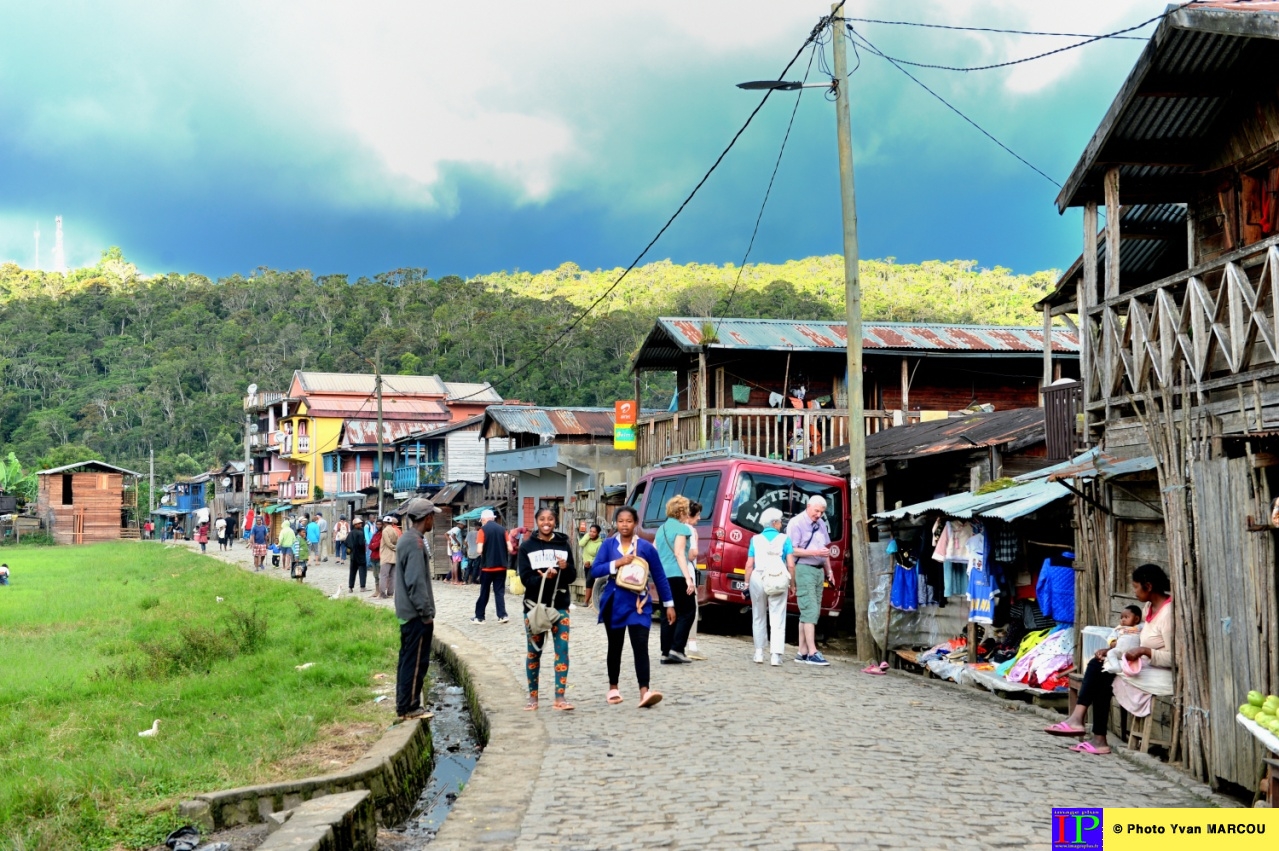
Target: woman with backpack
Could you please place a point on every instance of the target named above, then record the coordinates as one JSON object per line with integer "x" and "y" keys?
{"x": 547, "y": 570}
{"x": 768, "y": 580}
{"x": 632, "y": 567}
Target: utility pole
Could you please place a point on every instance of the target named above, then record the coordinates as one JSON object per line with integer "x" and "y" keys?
{"x": 377, "y": 388}
{"x": 853, "y": 298}
{"x": 248, "y": 472}
{"x": 151, "y": 482}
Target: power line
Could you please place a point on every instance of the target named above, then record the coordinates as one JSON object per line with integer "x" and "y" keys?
{"x": 1087, "y": 41}
{"x": 996, "y": 30}
{"x": 758, "y": 218}
{"x": 812, "y": 37}
{"x": 871, "y": 47}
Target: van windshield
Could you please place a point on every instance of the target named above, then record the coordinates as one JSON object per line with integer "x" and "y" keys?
{"x": 756, "y": 492}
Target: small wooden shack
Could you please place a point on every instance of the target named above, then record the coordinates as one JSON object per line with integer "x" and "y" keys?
{"x": 85, "y": 503}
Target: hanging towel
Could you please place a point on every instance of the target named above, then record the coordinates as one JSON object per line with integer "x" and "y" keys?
{"x": 775, "y": 400}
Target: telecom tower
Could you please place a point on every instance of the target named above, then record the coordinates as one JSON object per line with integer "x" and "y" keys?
{"x": 59, "y": 260}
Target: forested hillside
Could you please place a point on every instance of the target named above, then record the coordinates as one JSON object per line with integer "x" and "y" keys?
{"x": 109, "y": 359}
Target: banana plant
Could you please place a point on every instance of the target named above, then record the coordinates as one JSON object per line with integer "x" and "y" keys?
{"x": 14, "y": 482}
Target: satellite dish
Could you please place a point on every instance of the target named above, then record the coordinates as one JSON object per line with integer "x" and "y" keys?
{"x": 253, "y": 428}
{"x": 226, "y": 481}
{"x": 253, "y": 390}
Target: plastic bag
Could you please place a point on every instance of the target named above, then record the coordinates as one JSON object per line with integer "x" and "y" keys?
{"x": 513, "y": 580}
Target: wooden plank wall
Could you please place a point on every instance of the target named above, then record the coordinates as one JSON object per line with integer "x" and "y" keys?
{"x": 94, "y": 514}
{"x": 1234, "y": 563}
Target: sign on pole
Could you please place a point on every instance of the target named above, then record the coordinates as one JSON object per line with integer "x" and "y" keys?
{"x": 625, "y": 415}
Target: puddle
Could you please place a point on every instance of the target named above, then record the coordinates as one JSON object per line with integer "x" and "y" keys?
{"x": 456, "y": 750}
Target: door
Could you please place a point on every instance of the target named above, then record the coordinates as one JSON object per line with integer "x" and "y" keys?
{"x": 1231, "y": 561}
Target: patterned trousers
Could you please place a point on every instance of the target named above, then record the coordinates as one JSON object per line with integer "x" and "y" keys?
{"x": 559, "y": 635}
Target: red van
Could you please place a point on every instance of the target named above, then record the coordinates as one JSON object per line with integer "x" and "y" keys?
{"x": 734, "y": 490}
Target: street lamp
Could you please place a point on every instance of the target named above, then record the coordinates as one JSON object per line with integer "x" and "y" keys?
{"x": 853, "y": 302}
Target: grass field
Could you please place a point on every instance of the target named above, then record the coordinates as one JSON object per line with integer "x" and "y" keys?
{"x": 97, "y": 641}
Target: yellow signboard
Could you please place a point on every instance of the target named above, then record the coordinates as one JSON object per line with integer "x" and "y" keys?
{"x": 624, "y": 437}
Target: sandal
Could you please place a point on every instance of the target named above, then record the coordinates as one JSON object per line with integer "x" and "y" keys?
{"x": 562, "y": 706}
{"x": 651, "y": 699}
{"x": 614, "y": 696}
{"x": 1063, "y": 728}
{"x": 1089, "y": 747}
{"x": 531, "y": 706}
{"x": 876, "y": 670}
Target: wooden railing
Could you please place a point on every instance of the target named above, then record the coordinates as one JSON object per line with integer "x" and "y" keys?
{"x": 791, "y": 434}
{"x": 347, "y": 482}
{"x": 1216, "y": 323}
{"x": 296, "y": 489}
{"x": 268, "y": 481}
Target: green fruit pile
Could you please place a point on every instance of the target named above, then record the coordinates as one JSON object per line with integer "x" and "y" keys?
{"x": 1263, "y": 709}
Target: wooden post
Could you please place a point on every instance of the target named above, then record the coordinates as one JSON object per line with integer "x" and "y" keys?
{"x": 1190, "y": 238}
{"x": 1112, "y": 232}
{"x": 1048, "y": 352}
{"x": 701, "y": 394}
{"x": 905, "y": 391}
{"x": 1087, "y": 292}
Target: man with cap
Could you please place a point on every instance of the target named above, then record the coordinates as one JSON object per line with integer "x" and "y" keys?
{"x": 414, "y": 605}
{"x": 390, "y": 539}
{"x": 494, "y": 557}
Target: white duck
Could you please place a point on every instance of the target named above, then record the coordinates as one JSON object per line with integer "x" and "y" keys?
{"x": 155, "y": 728}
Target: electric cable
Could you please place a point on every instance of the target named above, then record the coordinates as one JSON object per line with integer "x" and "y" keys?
{"x": 758, "y": 218}
{"x": 812, "y": 37}
{"x": 871, "y": 47}
{"x": 995, "y": 30}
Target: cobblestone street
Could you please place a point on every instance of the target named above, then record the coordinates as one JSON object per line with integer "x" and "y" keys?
{"x": 751, "y": 756}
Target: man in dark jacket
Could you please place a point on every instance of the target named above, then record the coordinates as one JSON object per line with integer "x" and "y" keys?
{"x": 495, "y": 556}
{"x": 358, "y": 554}
{"x": 414, "y": 606}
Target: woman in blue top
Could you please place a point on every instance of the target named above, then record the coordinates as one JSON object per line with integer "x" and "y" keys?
{"x": 672, "y": 541}
{"x": 625, "y": 612}
{"x": 769, "y": 551}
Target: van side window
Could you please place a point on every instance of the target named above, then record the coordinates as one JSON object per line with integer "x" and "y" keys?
{"x": 637, "y": 497}
{"x": 703, "y": 488}
{"x": 757, "y": 491}
{"x": 663, "y": 490}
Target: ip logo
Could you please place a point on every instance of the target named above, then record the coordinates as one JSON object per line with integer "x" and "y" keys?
{"x": 1078, "y": 828}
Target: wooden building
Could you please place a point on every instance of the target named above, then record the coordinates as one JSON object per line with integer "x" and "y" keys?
{"x": 1175, "y": 296}
{"x": 778, "y": 388}
{"x": 88, "y": 502}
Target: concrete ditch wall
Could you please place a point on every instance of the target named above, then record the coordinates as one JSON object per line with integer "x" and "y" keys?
{"x": 393, "y": 771}
{"x": 343, "y": 822}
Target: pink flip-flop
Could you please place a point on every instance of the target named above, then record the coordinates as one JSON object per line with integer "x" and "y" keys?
{"x": 1061, "y": 728}
{"x": 876, "y": 670}
{"x": 1089, "y": 747}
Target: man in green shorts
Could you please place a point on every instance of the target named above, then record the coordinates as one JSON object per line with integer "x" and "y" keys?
{"x": 810, "y": 562}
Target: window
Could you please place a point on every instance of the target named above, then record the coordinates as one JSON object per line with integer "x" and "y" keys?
{"x": 637, "y": 496}
{"x": 703, "y": 488}
{"x": 66, "y": 489}
{"x": 663, "y": 490}
{"x": 756, "y": 492}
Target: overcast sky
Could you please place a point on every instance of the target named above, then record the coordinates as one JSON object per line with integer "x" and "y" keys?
{"x": 471, "y": 137}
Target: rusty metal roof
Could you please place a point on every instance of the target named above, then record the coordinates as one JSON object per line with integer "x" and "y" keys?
{"x": 364, "y": 432}
{"x": 473, "y": 393}
{"x": 439, "y": 430}
{"x": 1198, "y": 63}
{"x": 675, "y": 335}
{"x": 1014, "y": 429}
{"x": 506, "y": 420}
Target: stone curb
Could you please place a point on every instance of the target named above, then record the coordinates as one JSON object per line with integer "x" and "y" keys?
{"x": 1154, "y": 765}
{"x": 342, "y": 822}
{"x": 490, "y": 811}
{"x": 394, "y": 771}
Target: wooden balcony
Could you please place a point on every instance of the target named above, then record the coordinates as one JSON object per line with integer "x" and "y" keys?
{"x": 269, "y": 481}
{"x": 349, "y": 482}
{"x": 784, "y": 434}
{"x": 1213, "y": 327}
{"x": 294, "y": 489}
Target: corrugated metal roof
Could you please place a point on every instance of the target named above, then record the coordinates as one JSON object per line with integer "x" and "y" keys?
{"x": 506, "y": 420}
{"x": 436, "y": 430}
{"x": 100, "y": 466}
{"x": 1093, "y": 463}
{"x": 349, "y": 407}
{"x": 364, "y": 432}
{"x": 672, "y": 335}
{"x": 473, "y": 393}
{"x": 1022, "y": 426}
{"x": 1007, "y": 504}
{"x": 1182, "y": 83}
{"x": 356, "y": 382}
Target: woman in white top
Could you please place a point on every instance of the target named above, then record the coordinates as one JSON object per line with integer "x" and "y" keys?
{"x": 768, "y": 556}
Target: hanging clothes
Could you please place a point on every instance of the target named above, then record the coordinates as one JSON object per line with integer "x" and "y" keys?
{"x": 981, "y": 588}
{"x": 932, "y": 587}
{"x": 1055, "y": 591}
{"x": 1006, "y": 545}
{"x": 955, "y": 578}
{"x": 953, "y": 542}
{"x": 905, "y": 596}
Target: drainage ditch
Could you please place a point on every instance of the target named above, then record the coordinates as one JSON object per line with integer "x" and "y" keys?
{"x": 456, "y": 747}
